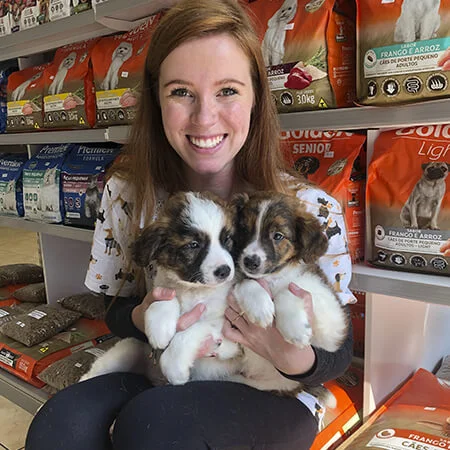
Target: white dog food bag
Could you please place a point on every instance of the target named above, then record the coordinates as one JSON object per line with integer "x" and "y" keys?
{"x": 5, "y": 25}
{"x": 118, "y": 66}
{"x": 41, "y": 184}
{"x": 309, "y": 49}
{"x": 408, "y": 194}
{"x": 83, "y": 181}
{"x": 69, "y": 98}
{"x": 34, "y": 13}
{"x": 11, "y": 194}
{"x": 403, "y": 50}
{"x": 58, "y": 9}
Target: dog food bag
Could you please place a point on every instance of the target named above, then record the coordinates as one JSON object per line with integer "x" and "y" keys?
{"x": 415, "y": 417}
{"x": 90, "y": 304}
{"x": 58, "y": 9}
{"x": 11, "y": 193}
{"x": 5, "y": 23}
{"x": 11, "y": 274}
{"x": 25, "y": 91}
{"x": 328, "y": 158}
{"x": 32, "y": 293}
{"x": 33, "y": 14}
{"x": 69, "y": 99}
{"x": 309, "y": 49}
{"x": 83, "y": 180}
{"x": 118, "y": 65}
{"x": 403, "y": 50}
{"x": 6, "y": 69}
{"x": 41, "y": 184}
{"x": 408, "y": 195}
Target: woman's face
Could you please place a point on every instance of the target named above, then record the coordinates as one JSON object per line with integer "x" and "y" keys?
{"x": 206, "y": 96}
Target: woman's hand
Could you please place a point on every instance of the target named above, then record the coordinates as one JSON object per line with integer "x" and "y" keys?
{"x": 445, "y": 249}
{"x": 269, "y": 343}
{"x": 184, "y": 322}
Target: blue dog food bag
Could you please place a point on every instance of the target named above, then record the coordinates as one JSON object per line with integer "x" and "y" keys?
{"x": 5, "y": 71}
{"x": 11, "y": 194}
{"x": 41, "y": 184}
{"x": 83, "y": 175}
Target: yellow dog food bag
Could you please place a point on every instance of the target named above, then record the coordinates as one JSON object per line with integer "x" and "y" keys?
{"x": 309, "y": 49}
{"x": 408, "y": 196}
{"x": 403, "y": 50}
{"x": 335, "y": 161}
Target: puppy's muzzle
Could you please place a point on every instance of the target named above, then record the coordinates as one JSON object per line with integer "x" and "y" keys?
{"x": 222, "y": 272}
{"x": 252, "y": 263}
{"x": 435, "y": 173}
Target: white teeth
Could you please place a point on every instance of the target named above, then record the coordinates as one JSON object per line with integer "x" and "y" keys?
{"x": 206, "y": 143}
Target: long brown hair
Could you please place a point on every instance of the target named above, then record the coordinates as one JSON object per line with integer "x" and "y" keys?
{"x": 149, "y": 160}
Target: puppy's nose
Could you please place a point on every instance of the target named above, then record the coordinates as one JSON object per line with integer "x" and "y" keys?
{"x": 222, "y": 272}
{"x": 252, "y": 262}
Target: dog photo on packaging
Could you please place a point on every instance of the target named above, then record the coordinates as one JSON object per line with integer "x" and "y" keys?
{"x": 11, "y": 193}
{"x": 191, "y": 245}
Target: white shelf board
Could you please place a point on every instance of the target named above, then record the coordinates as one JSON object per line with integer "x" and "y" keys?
{"x": 48, "y": 36}
{"x": 78, "y": 234}
{"x": 364, "y": 117}
{"x": 413, "y": 286}
{"x": 131, "y": 10}
{"x": 53, "y": 137}
{"x": 21, "y": 393}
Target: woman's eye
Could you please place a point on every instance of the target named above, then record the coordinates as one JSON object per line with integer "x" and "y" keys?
{"x": 227, "y": 92}
{"x": 179, "y": 92}
{"x": 278, "y": 236}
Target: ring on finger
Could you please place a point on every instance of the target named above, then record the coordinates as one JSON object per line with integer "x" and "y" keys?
{"x": 238, "y": 316}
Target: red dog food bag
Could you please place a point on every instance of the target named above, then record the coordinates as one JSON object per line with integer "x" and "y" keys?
{"x": 408, "y": 196}
{"x": 69, "y": 98}
{"x": 416, "y": 417}
{"x": 118, "y": 65}
{"x": 24, "y": 99}
{"x": 403, "y": 50}
{"x": 331, "y": 160}
{"x": 309, "y": 49}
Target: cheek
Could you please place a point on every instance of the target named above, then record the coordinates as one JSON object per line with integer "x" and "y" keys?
{"x": 173, "y": 118}
{"x": 284, "y": 250}
{"x": 238, "y": 115}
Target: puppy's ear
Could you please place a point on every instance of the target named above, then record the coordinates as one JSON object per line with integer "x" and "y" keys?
{"x": 238, "y": 202}
{"x": 310, "y": 237}
{"x": 424, "y": 166}
{"x": 146, "y": 248}
{"x": 448, "y": 166}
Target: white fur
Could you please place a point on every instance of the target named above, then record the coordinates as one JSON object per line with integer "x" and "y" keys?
{"x": 49, "y": 198}
{"x": 19, "y": 92}
{"x": 122, "y": 53}
{"x": 273, "y": 42}
{"x": 9, "y": 198}
{"x": 419, "y": 20}
{"x": 56, "y": 86}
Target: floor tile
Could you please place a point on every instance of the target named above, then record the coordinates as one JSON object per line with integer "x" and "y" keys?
{"x": 14, "y": 425}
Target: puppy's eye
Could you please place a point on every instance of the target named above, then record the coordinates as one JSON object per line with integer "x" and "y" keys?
{"x": 278, "y": 236}
{"x": 192, "y": 245}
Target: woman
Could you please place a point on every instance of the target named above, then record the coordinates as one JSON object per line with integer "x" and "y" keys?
{"x": 205, "y": 123}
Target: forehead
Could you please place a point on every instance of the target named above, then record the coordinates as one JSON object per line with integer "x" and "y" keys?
{"x": 209, "y": 58}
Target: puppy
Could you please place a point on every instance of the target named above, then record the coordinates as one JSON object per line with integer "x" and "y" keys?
{"x": 307, "y": 165}
{"x": 19, "y": 92}
{"x": 273, "y": 42}
{"x": 8, "y": 197}
{"x": 190, "y": 246}
{"x": 49, "y": 198}
{"x": 56, "y": 86}
{"x": 122, "y": 53}
{"x": 422, "y": 208}
{"x": 419, "y": 20}
{"x": 280, "y": 242}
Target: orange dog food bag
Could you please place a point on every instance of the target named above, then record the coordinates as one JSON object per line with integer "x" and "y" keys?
{"x": 69, "y": 98}
{"x": 309, "y": 49}
{"x": 118, "y": 63}
{"x": 408, "y": 196}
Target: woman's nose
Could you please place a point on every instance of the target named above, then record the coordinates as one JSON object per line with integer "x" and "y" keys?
{"x": 205, "y": 112}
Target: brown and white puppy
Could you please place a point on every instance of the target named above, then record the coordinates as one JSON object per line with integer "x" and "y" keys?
{"x": 280, "y": 242}
{"x": 422, "y": 208}
{"x": 190, "y": 245}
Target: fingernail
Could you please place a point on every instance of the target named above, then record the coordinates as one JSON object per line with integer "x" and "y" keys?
{"x": 202, "y": 307}
{"x": 295, "y": 288}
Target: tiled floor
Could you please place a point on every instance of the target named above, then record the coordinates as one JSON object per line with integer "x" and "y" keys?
{"x": 16, "y": 246}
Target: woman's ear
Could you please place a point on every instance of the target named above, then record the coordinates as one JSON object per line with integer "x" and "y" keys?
{"x": 146, "y": 248}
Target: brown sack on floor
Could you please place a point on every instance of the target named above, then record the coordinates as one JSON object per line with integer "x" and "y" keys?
{"x": 20, "y": 274}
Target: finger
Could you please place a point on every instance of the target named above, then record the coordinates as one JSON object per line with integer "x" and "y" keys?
{"x": 160, "y": 293}
{"x": 307, "y": 299}
{"x": 265, "y": 285}
{"x": 189, "y": 318}
{"x": 233, "y": 304}
{"x": 206, "y": 348}
{"x": 233, "y": 334}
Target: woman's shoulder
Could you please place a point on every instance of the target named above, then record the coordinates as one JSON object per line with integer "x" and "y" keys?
{"x": 118, "y": 188}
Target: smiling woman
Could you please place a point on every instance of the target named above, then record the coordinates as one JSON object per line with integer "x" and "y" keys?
{"x": 207, "y": 123}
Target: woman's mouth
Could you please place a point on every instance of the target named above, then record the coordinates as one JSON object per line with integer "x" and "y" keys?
{"x": 206, "y": 144}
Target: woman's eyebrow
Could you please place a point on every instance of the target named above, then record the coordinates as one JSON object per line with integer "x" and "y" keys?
{"x": 230, "y": 80}
{"x": 218, "y": 83}
{"x": 187, "y": 83}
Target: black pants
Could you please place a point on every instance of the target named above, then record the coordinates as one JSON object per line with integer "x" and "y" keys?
{"x": 199, "y": 415}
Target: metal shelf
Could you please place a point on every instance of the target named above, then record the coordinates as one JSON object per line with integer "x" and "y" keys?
{"x": 414, "y": 286}
{"x": 51, "y": 35}
{"x": 53, "y": 137}
{"x": 78, "y": 234}
{"x": 21, "y": 393}
{"x": 430, "y": 112}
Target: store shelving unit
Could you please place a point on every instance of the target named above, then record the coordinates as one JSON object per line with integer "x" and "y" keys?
{"x": 407, "y": 314}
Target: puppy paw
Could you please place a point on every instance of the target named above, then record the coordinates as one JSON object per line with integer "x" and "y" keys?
{"x": 174, "y": 369}
{"x": 295, "y": 329}
{"x": 255, "y": 302}
{"x": 161, "y": 323}
{"x": 160, "y": 335}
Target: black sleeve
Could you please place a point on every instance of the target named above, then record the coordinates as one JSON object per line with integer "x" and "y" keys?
{"x": 328, "y": 366}
{"x": 118, "y": 317}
